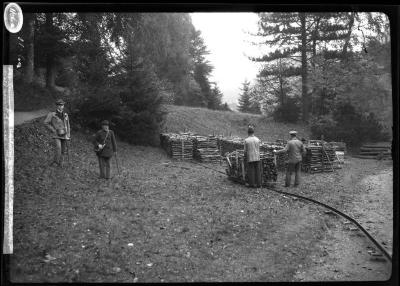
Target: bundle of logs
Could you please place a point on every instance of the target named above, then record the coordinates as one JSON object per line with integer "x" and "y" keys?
{"x": 228, "y": 145}
{"x": 281, "y": 158}
{"x": 236, "y": 168}
{"x": 319, "y": 158}
{"x": 205, "y": 149}
{"x": 178, "y": 146}
{"x": 378, "y": 151}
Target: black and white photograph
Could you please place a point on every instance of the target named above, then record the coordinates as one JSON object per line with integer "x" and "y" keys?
{"x": 144, "y": 144}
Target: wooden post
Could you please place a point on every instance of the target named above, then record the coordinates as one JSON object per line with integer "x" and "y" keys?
{"x": 8, "y": 127}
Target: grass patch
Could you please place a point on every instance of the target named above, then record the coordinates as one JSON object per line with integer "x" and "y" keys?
{"x": 205, "y": 121}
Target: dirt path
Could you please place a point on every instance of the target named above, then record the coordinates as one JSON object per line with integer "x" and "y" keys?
{"x": 25, "y": 116}
{"x": 343, "y": 254}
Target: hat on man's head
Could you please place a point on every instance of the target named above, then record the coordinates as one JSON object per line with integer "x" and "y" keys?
{"x": 60, "y": 102}
{"x": 105, "y": 122}
{"x": 292, "y": 132}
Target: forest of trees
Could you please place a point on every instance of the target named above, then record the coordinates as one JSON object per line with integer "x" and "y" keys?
{"x": 119, "y": 66}
{"x": 321, "y": 65}
{"x": 124, "y": 66}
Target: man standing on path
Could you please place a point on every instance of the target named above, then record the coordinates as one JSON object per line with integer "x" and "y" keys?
{"x": 295, "y": 149}
{"x": 106, "y": 147}
{"x": 252, "y": 157}
{"x": 58, "y": 122}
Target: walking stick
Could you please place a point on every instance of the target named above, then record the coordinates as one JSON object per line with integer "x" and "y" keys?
{"x": 68, "y": 145}
{"x": 116, "y": 160}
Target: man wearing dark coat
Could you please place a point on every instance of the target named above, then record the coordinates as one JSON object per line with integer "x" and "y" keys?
{"x": 295, "y": 149}
{"x": 58, "y": 123}
{"x": 106, "y": 145}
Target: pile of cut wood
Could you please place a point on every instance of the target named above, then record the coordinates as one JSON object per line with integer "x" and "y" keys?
{"x": 205, "y": 149}
{"x": 281, "y": 158}
{"x": 236, "y": 168}
{"x": 228, "y": 145}
{"x": 178, "y": 146}
{"x": 319, "y": 158}
{"x": 380, "y": 151}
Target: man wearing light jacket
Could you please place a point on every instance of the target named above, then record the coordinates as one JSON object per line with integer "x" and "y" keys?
{"x": 252, "y": 157}
{"x": 295, "y": 149}
{"x": 58, "y": 123}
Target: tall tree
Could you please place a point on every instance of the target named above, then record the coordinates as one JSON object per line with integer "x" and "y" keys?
{"x": 215, "y": 101}
{"x": 29, "y": 66}
{"x": 203, "y": 69}
{"x": 244, "y": 102}
{"x": 50, "y": 62}
{"x": 295, "y": 37}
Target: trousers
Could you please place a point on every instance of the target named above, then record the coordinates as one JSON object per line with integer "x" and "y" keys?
{"x": 105, "y": 166}
{"x": 293, "y": 167}
{"x": 254, "y": 173}
{"x": 61, "y": 147}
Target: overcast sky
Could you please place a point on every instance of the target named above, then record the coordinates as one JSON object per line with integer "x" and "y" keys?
{"x": 225, "y": 37}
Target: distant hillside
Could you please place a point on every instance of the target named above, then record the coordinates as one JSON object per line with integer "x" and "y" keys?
{"x": 206, "y": 121}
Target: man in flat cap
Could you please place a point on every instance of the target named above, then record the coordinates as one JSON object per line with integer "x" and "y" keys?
{"x": 105, "y": 147}
{"x": 295, "y": 149}
{"x": 252, "y": 157}
{"x": 58, "y": 123}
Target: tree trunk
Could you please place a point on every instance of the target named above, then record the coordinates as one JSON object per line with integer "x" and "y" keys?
{"x": 50, "y": 68}
{"x": 29, "y": 69}
{"x": 350, "y": 27}
{"x": 304, "y": 81}
{"x": 314, "y": 43}
{"x": 281, "y": 91}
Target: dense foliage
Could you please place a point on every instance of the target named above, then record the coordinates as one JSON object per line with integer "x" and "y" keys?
{"x": 117, "y": 66}
{"x": 347, "y": 125}
{"x": 326, "y": 61}
{"x": 288, "y": 111}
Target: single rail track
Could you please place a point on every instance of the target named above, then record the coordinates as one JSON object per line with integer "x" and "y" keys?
{"x": 352, "y": 220}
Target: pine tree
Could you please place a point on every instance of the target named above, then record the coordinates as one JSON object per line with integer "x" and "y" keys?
{"x": 202, "y": 69}
{"x": 244, "y": 99}
{"x": 216, "y": 98}
{"x": 295, "y": 38}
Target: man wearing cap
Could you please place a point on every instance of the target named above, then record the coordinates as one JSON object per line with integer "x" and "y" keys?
{"x": 252, "y": 157}
{"x": 58, "y": 123}
{"x": 295, "y": 149}
{"x": 105, "y": 147}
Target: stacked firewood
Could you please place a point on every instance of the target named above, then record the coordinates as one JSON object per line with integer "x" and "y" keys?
{"x": 312, "y": 162}
{"x": 178, "y": 146}
{"x": 319, "y": 159}
{"x": 205, "y": 149}
{"x": 281, "y": 158}
{"x": 269, "y": 169}
{"x": 228, "y": 145}
{"x": 236, "y": 167}
{"x": 375, "y": 151}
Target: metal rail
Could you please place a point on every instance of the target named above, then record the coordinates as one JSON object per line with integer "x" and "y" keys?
{"x": 380, "y": 247}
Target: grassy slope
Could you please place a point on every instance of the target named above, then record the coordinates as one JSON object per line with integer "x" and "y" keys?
{"x": 205, "y": 121}
{"x": 186, "y": 222}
